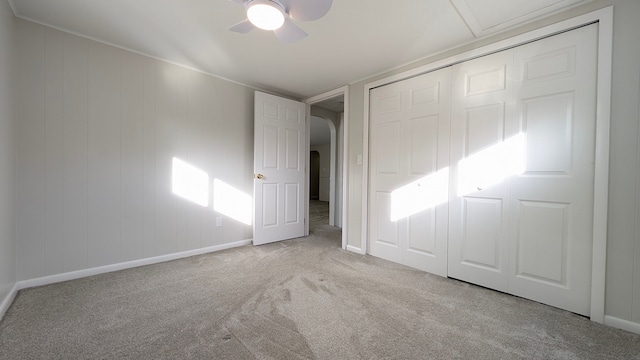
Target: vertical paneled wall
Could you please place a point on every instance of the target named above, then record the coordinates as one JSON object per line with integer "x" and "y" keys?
{"x": 7, "y": 172}
{"x": 623, "y": 240}
{"x": 98, "y": 128}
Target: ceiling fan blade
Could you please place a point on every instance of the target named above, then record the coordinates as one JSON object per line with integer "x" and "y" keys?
{"x": 290, "y": 32}
{"x": 307, "y": 10}
{"x": 243, "y": 27}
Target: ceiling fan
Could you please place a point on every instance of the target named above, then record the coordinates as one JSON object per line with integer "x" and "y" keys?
{"x": 277, "y": 15}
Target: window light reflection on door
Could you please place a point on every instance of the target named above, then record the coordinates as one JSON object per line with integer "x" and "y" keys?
{"x": 492, "y": 165}
{"x": 422, "y": 194}
{"x": 476, "y": 172}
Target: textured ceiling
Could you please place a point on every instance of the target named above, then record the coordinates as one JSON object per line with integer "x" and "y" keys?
{"x": 355, "y": 40}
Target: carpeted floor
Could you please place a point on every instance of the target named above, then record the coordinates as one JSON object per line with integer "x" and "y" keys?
{"x": 298, "y": 299}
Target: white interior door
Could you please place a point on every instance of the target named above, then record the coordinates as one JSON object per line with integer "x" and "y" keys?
{"x": 409, "y": 156}
{"x": 279, "y": 167}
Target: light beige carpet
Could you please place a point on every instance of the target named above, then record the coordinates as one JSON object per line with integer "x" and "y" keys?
{"x": 299, "y": 299}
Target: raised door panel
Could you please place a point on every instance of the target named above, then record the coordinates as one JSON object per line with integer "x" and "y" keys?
{"x": 269, "y": 204}
{"x": 387, "y": 150}
{"x": 385, "y": 241}
{"x": 423, "y": 145}
{"x": 422, "y": 241}
{"x": 292, "y": 149}
{"x": 292, "y": 197}
{"x": 421, "y": 233}
{"x": 270, "y": 147}
{"x": 541, "y": 242}
{"x": 548, "y": 125}
{"x": 481, "y": 232}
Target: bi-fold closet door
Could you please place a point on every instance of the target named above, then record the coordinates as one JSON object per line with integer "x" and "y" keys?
{"x": 409, "y": 145}
{"x": 512, "y": 150}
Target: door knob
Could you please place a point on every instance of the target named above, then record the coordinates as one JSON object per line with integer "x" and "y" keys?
{"x": 260, "y": 176}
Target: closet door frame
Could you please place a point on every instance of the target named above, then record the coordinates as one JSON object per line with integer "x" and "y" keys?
{"x": 604, "y": 18}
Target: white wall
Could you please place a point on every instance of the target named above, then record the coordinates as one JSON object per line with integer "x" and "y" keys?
{"x": 97, "y": 130}
{"x": 7, "y": 145}
{"x": 623, "y": 240}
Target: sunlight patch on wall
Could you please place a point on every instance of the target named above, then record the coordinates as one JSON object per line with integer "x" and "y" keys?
{"x": 420, "y": 195}
{"x": 492, "y": 166}
{"x": 232, "y": 202}
{"x": 190, "y": 183}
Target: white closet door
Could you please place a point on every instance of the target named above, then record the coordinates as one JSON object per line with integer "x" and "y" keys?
{"x": 522, "y": 155}
{"x": 409, "y": 158}
{"x": 482, "y": 130}
{"x": 552, "y": 200}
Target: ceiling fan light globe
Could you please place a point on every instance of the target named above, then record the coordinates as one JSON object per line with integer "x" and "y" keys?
{"x": 265, "y": 15}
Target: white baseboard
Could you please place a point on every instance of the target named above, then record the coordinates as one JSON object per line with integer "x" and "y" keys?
{"x": 52, "y": 279}
{"x": 355, "y": 249}
{"x": 4, "y": 306}
{"x": 622, "y": 324}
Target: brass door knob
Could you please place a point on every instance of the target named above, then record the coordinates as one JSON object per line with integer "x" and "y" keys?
{"x": 260, "y": 176}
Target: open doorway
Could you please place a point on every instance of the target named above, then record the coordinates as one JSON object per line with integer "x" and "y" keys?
{"x": 332, "y": 107}
{"x": 322, "y": 139}
{"x": 326, "y": 150}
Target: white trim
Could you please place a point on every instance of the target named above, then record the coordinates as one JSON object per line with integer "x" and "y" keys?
{"x": 332, "y": 171}
{"x": 328, "y": 95}
{"x": 356, "y": 249}
{"x": 468, "y": 17}
{"x": 8, "y": 300}
{"x": 307, "y": 168}
{"x": 343, "y": 90}
{"x": 604, "y": 17}
{"x": 15, "y": 13}
{"x": 345, "y": 169}
{"x": 364, "y": 244}
{"x": 52, "y": 279}
{"x": 622, "y": 324}
{"x": 478, "y": 30}
{"x": 601, "y": 171}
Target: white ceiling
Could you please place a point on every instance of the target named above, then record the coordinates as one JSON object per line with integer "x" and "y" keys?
{"x": 355, "y": 40}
